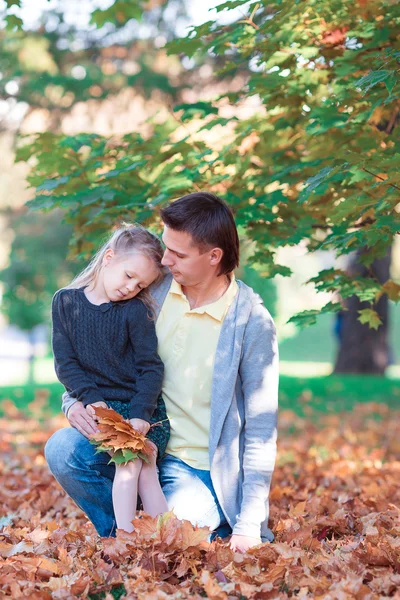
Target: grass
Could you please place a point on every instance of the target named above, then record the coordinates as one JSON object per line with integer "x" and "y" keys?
{"x": 337, "y": 393}
{"x": 116, "y": 592}
{"x": 311, "y": 351}
{"x": 312, "y": 344}
{"x": 333, "y": 393}
{"x": 318, "y": 343}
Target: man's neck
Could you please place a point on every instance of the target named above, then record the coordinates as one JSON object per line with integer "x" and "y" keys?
{"x": 206, "y": 292}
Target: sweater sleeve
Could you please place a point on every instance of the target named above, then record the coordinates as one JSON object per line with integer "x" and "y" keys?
{"x": 148, "y": 365}
{"x": 67, "y": 367}
{"x": 259, "y": 376}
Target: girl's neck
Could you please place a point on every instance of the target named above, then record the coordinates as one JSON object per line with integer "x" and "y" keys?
{"x": 95, "y": 292}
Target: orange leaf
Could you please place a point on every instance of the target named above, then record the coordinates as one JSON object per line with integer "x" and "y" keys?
{"x": 115, "y": 433}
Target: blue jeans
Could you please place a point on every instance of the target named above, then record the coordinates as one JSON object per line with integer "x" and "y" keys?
{"x": 87, "y": 478}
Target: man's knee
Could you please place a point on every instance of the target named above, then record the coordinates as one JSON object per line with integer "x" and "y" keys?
{"x": 200, "y": 509}
{"x": 61, "y": 449}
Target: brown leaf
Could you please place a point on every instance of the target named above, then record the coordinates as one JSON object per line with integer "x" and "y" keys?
{"x": 11, "y": 549}
{"x": 345, "y": 467}
{"x": 212, "y": 587}
{"x": 115, "y": 433}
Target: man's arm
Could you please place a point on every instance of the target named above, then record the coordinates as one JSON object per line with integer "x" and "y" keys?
{"x": 67, "y": 402}
{"x": 259, "y": 375}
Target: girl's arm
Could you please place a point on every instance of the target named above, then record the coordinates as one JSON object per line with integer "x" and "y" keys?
{"x": 67, "y": 366}
{"x": 149, "y": 366}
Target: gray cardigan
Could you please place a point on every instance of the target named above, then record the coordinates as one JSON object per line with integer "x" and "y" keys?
{"x": 244, "y": 405}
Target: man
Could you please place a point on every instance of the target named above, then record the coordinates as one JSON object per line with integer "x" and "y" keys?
{"x": 218, "y": 345}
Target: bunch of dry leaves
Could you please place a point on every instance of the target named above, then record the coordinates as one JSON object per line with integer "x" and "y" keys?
{"x": 116, "y": 435}
{"x": 334, "y": 511}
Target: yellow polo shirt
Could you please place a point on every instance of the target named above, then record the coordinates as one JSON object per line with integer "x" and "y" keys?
{"x": 187, "y": 342}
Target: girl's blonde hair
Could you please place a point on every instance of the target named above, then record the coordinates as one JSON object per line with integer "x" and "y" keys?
{"x": 128, "y": 239}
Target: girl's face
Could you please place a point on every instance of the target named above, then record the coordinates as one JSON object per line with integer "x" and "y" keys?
{"x": 124, "y": 276}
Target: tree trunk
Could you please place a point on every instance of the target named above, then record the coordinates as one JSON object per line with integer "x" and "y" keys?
{"x": 364, "y": 350}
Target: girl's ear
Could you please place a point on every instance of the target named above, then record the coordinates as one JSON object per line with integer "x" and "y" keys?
{"x": 108, "y": 256}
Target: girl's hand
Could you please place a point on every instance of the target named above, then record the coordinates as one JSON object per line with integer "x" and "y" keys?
{"x": 90, "y": 409}
{"x": 140, "y": 425}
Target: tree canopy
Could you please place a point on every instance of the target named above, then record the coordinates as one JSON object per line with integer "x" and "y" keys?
{"x": 299, "y": 142}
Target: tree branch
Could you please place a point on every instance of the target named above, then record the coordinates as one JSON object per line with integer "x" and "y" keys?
{"x": 367, "y": 221}
{"x": 396, "y": 187}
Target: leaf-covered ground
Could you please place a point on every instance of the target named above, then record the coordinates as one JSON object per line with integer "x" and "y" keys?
{"x": 334, "y": 509}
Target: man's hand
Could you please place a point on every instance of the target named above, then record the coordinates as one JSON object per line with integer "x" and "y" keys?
{"x": 83, "y": 419}
{"x": 241, "y": 543}
{"x": 140, "y": 425}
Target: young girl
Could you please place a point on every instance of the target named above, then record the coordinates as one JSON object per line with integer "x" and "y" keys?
{"x": 105, "y": 354}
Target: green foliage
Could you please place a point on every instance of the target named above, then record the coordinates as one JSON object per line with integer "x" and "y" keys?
{"x": 316, "y": 161}
{"x": 330, "y": 280}
{"x": 121, "y": 456}
{"x": 251, "y": 275}
{"x": 51, "y": 75}
{"x": 197, "y": 109}
{"x": 330, "y": 394}
{"x": 118, "y": 591}
{"x": 13, "y": 23}
{"x": 309, "y": 317}
{"x": 38, "y": 267}
{"x": 370, "y": 316}
{"x": 119, "y": 12}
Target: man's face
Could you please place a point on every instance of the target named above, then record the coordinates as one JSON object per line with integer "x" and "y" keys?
{"x": 183, "y": 258}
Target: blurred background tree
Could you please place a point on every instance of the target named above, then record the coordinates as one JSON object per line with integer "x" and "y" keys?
{"x": 60, "y": 63}
{"x": 287, "y": 110}
{"x": 38, "y": 265}
{"x": 46, "y": 71}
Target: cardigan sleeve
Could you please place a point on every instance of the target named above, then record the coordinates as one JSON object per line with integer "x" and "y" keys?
{"x": 259, "y": 373}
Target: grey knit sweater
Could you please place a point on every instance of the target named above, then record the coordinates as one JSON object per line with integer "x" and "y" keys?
{"x": 107, "y": 351}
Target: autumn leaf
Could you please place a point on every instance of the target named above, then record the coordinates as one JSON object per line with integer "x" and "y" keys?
{"x": 335, "y": 37}
{"x": 11, "y": 549}
{"x": 212, "y": 588}
{"x": 180, "y": 533}
{"x": 369, "y": 316}
{"x": 392, "y": 289}
{"x": 334, "y": 512}
{"x": 116, "y": 435}
{"x": 173, "y": 532}
{"x": 298, "y": 510}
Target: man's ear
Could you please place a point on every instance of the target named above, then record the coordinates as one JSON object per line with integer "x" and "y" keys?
{"x": 108, "y": 256}
{"x": 216, "y": 255}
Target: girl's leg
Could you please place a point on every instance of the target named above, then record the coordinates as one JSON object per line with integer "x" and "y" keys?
{"x": 150, "y": 491}
{"x": 125, "y": 492}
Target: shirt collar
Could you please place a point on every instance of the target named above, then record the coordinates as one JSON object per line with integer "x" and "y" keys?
{"x": 176, "y": 289}
{"x": 217, "y": 309}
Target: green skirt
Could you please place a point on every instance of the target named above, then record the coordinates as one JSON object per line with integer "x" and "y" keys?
{"x": 159, "y": 434}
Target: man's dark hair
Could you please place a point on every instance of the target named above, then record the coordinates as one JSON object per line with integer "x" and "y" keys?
{"x": 209, "y": 220}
